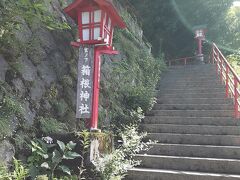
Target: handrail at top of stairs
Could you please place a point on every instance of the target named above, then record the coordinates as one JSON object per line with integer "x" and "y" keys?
{"x": 185, "y": 59}
{"x": 228, "y": 77}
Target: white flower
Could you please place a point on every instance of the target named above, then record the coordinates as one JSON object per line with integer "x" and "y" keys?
{"x": 47, "y": 139}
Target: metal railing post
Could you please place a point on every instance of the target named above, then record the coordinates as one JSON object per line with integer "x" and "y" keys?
{"x": 185, "y": 61}
{"x": 236, "y": 97}
{"x": 213, "y": 54}
{"x": 217, "y": 62}
{"x": 221, "y": 69}
{"x": 227, "y": 81}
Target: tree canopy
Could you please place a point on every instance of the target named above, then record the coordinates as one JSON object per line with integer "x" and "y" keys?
{"x": 169, "y": 24}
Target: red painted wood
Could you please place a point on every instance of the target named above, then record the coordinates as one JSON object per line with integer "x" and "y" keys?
{"x": 107, "y": 5}
{"x": 96, "y": 83}
{"x": 96, "y": 79}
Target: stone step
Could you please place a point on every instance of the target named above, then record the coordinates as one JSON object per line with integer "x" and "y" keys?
{"x": 197, "y": 139}
{"x": 221, "y": 121}
{"x": 192, "y": 90}
{"x": 189, "y": 79}
{"x": 193, "y": 95}
{"x": 207, "y": 151}
{"x": 193, "y": 73}
{"x": 211, "y": 165}
{"x": 163, "y": 174}
{"x": 200, "y": 83}
{"x": 192, "y": 66}
{"x": 195, "y": 100}
{"x": 191, "y": 129}
{"x": 190, "y": 86}
{"x": 193, "y": 107}
{"x": 193, "y": 113}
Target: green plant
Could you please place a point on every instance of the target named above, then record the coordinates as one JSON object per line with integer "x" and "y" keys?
{"x": 48, "y": 158}
{"x": 67, "y": 81}
{"x": 115, "y": 165}
{"x": 85, "y": 142}
{"x": 9, "y": 107}
{"x": 4, "y": 174}
{"x": 51, "y": 125}
{"x": 19, "y": 172}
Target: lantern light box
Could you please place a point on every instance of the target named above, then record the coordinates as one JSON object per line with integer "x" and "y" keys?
{"x": 96, "y": 20}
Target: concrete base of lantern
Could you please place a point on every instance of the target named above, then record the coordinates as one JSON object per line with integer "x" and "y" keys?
{"x": 200, "y": 58}
{"x": 101, "y": 143}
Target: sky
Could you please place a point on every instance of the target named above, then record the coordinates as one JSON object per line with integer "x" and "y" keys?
{"x": 236, "y": 3}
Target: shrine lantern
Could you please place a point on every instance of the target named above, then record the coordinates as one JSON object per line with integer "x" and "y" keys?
{"x": 96, "y": 20}
{"x": 200, "y": 32}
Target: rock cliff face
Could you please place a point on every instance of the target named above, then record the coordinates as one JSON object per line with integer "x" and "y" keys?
{"x": 38, "y": 77}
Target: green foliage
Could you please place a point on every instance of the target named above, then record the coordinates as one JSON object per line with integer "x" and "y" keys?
{"x": 19, "y": 171}
{"x": 234, "y": 60}
{"x": 67, "y": 81}
{"x": 233, "y": 25}
{"x": 172, "y": 22}
{"x": 85, "y": 142}
{"x": 115, "y": 165}
{"x": 130, "y": 84}
{"x": 51, "y": 125}
{"x": 16, "y": 15}
{"x": 48, "y": 158}
{"x": 9, "y": 108}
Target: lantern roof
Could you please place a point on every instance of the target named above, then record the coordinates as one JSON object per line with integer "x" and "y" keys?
{"x": 107, "y": 5}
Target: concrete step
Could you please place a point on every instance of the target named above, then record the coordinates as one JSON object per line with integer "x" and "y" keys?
{"x": 166, "y": 100}
{"x": 193, "y": 113}
{"x": 193, "y": 95}
{"x": 211, "y": 165}
{"x": 220, "y": 121}
{"x": 163, "y": 174}
{"x": 193, "y": 107}
{"x": 207, "y": 151}
{"x": 198, "y": 139}
{"x": 188, "y": 90}
{"x": 191, "y": 129}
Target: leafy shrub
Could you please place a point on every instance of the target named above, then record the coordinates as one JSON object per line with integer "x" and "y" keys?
{"x": 19, "y": 171}
{"x": 48, "y": 158}
{"x": 115, "y": 165}
{"x": 51, "y": 125}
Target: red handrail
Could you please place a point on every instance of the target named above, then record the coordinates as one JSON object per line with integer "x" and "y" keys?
{"x": 228, "y": 76}
{"x": 180, "y": 59}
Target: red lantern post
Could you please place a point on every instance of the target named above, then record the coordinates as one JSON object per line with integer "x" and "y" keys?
{"x": 96, "y": 20}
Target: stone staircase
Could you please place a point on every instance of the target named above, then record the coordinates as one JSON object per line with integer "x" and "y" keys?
{"x": 198, "y": 138}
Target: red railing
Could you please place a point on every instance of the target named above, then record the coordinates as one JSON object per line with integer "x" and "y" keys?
{"x": 227, "y": 76}
{"x": 184, "y": 60}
